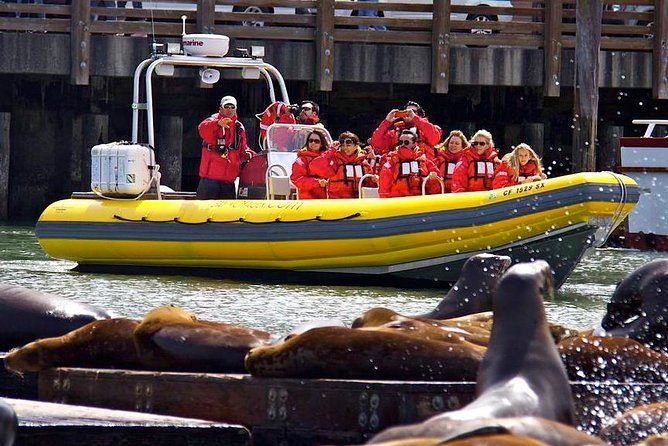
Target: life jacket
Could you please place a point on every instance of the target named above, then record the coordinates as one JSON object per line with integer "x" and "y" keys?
{"x": 343, "y": 171}
{"x": 475, "y": 172}
{"x": 276, "y": 111}
{"x": 222, "y": 161}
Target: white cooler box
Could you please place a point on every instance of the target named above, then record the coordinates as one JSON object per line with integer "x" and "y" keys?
{"x": 120, "y": 168}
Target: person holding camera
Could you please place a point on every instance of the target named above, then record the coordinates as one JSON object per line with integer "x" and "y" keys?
{"x": 223, "y": 149}
{"x": 412, "y": 117}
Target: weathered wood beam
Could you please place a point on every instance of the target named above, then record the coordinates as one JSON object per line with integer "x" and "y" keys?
{"x": 4, "y": 165}
{"x": 169, "y": 150}
{"x": 325, "y": 45}
{"x": 80, "y": 43}
{"x": 440, "y": 47}
{"x": 87, "y": 131}
{"x": 552, "y": 48}
{"x": 660, "y": 55}
{"x": 587, "y": 45}
{"x": 206, "y": 14}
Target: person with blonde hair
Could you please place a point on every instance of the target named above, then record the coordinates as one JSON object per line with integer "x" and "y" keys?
{"x": 520, "y": 166}
{"x": 448, "y": 154}
{"x": 475, "y": 169}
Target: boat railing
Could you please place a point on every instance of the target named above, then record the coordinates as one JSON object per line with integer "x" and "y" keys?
{"x": 425, "y": 180}
{"x": 651, "y": 124}
{"x": 368, "y": 191}
{"x": 279, "y": 185}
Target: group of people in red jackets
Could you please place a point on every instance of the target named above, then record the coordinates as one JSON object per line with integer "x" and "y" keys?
{"x": 403, "y": 157}
{"x": 406, "y": 159}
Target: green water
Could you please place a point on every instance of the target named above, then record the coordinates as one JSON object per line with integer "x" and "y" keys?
{"x": 278, "y": 308}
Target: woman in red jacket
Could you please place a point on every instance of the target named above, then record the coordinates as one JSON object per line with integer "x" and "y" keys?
{"x": 404, "y": 169}
{"x": 343, "y": 165}
{"x": 475, "y": 170}
{"x": 447, "y": 156}
{"x": 522, "y": 165}
{"x": 309, "y": 186}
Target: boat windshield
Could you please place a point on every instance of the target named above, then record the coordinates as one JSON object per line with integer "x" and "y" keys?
{"x": 290, "y": 137}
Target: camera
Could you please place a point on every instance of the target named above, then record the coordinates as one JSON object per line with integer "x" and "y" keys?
{"x": 401, "y": 113}
{"x": 294, "y": 109}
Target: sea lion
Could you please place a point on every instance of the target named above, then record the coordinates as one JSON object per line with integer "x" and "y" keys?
{"x": 638, "y": 308}
{"x": 169, "y": 338}
{"x": 107, "y": 343}
{"x": 26, "y": 315}
{"x": 521, "y": 373}
{"x": 472, "y": 293}
{"x": 637, "y": 424}
{"x": 398, "y": 350}
{"x": 8, "y": 424}
{"x": 594, "y": 358}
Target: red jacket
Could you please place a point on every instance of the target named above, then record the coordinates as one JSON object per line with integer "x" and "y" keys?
{"x": 475, "y": 172}
{"x": 503, "y": 176}
{"x": 402, "y": 173}
{"x": 217, "y": 166}
{"x": 302, "y": 177}
{"x": 385, "y": 137}
{"x": 343, "y": 171}
{"x": 445, "y": 162}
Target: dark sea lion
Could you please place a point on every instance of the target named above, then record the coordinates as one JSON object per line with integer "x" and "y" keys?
{"x": 8, "y": 424}
{"x": 169, "y": 338}
{"x": 392, "y": 352}
{"x": 107, "y": 343}
{"x": 637, "y": 424}
{"x": 472, "y": 293}
{"x": 521, "y": 373}
{"x": 26, "y": 315}
{"x": 638, "y": 308}
{"x": 594, "y": 358}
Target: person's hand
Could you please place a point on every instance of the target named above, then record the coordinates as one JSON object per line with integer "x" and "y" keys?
{"x": 410, "y": 114}
{"x": 370, "y": 154}
{"x": 322, "y": 182}
{"x": 390, "y": 115}
{"x": 433, "y": 175}
{"x": 224, "y": 121}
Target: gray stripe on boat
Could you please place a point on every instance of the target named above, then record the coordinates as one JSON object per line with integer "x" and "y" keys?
{"x": 341, "y": 229}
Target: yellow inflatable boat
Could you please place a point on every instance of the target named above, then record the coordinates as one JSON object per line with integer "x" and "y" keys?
{"x": 400, "y": 241}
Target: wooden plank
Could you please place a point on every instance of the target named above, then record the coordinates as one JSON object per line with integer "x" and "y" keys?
{"x": 609, "y": 155}
{"x": 206, "y": 16}
{"x": 87, "y": 130}
{"x": 587, "y": 47}
{"x": 80, "y": 43}
{"x": 5, "y": 120}
{"x": 552, "y": 49}
{"x": 316, "y": 411}
{"x": 169, "y": 149}
{"x": 324, "y": 42}
{"x": 660, "y": 56}
{"x": 61, "y": 424}
{"x": 440, "y": 47}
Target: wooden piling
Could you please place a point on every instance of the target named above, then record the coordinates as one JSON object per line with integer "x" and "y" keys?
{"x": 5, "y": 119}
{"x": 325, "y": 45}
{"x": 87, "y": 131}
{"x": 80, "y": 43}
{"x": 609, "y": 155}
{"x": 660, "y": 56}
{"x": 440, "y": 44}
{"x": 587, "y": 46}
{"x": 206, "y": 16}
{"x": 169, "y": 150}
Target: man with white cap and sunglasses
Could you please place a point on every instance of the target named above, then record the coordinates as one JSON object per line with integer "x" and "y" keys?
{"x": 223, "y": 149}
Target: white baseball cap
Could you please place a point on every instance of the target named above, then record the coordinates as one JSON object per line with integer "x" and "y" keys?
{"x": 228, "y": 100}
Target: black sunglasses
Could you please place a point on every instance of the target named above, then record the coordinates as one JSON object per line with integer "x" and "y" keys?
{"x": 346, "y": 141}
{"x": 307, "y": 108}
{"x": 314, "y": 140}
{"x": 478, "y": 143}
{"x": 405, "y": 142}
{"x": 228, "y": 106}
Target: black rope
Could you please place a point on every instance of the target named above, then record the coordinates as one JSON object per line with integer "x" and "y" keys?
{"x": 238, "y": 220}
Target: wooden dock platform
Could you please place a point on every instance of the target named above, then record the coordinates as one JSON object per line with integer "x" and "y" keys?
{"x": 43, "y": 423}
{"x": 306, "y": 411}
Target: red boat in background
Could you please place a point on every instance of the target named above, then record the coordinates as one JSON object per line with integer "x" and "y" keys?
{"x": 645, "y": 159}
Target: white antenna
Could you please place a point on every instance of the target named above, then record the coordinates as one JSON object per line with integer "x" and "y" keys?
{"x": 183, "y": 19}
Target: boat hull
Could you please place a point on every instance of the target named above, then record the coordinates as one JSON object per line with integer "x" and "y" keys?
{"x": 403, "y": 241}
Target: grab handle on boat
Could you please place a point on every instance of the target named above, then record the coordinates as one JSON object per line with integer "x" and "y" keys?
{"x": 367, "y": 192}
{"x": 430, "y": 178}
{"x": 278, "y": 185}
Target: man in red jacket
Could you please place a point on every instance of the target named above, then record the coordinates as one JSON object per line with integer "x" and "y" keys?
{"x": 413, "y": 117}
{"x": 223, "y": 149}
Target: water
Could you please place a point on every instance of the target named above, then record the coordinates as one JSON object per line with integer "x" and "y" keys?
{"x": 278, "y": 308}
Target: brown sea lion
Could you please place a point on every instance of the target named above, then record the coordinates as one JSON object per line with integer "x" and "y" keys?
{"x": 107, "y": 343}
{"x": 396, "y": 351}
{"x": 169, "y": 338}
{"x": 521, "y": 373}
{"x": 472, "y": 293}
{"x": 637, "y": 424}
{"x": 26, "y": 315}
{"x": 638, "y": 308}
{"x": 594, "y": 358}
